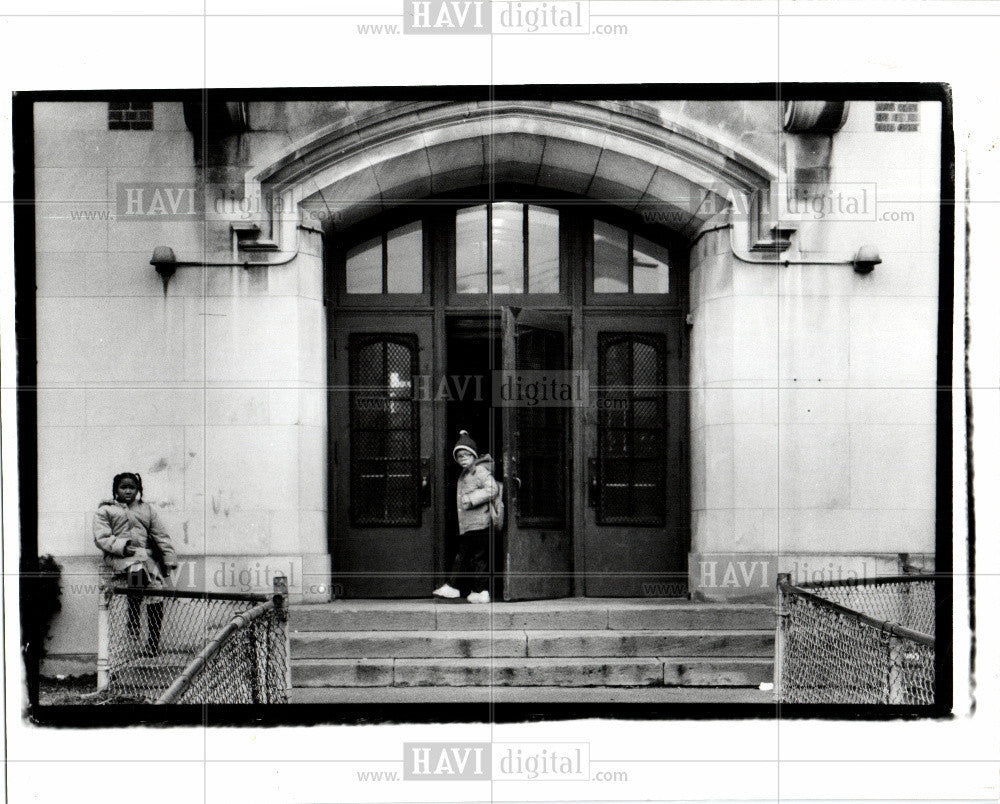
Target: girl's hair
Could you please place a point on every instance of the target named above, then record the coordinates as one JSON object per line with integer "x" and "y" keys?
{"x": 119, "y": 478}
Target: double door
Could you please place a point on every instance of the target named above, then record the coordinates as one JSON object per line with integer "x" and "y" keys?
{"x": 591, "y": 455}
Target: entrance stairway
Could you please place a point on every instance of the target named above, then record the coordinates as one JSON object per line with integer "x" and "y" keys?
{"x": 574, "y": 649}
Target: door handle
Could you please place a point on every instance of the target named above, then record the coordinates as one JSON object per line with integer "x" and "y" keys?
{"x": 513, "y": 488}
{"x": 425, "y": 483}
{"x": 593, "y": 486}
{"x": 509, "y": 468}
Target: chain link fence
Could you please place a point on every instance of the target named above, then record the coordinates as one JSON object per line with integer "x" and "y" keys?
{"x": 906, "y": 601}
{"x": 175, "y": 646}
{"x": 862, "y": 642}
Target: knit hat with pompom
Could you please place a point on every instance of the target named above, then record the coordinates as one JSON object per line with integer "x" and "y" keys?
{"x": 464, "y": 442}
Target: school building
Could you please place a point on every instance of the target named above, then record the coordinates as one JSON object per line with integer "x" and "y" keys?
{"x": 692, "y": 333}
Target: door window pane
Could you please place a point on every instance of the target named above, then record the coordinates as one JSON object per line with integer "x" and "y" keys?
{"x": 631, "y": 429}
{"x": 650, "y": 267}
{"x": 384, "y": 466}
{"x": 364, "y": 267}
{"x": 543, "y": 250}
{"x": 610, "y": 258}
{"x": 471, "y": 243}
{"x": 541, "y": 433}
{"x": 405, "y": 252}
{"x": 508, "y": 248}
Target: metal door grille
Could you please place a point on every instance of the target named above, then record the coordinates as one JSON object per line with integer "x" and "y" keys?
{"x": 631, "y": 429}
{"x": 385, "y": 427}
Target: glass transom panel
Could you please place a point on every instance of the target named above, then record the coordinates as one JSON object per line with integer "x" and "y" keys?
{"x": 625, "y": 262}
{"x": 392, "y": 262}
{"x": 506, "y": 247}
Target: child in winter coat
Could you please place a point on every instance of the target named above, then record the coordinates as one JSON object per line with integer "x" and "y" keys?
{"x": 137, "y": 551}
{"x": 476, "y": 490}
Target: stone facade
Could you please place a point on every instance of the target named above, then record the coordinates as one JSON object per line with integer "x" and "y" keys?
{"x": 812, "y": 408}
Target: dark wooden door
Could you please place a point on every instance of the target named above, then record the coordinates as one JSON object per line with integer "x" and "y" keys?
{"x": 636, "y": 519}
{"x": 538, "y": 549}
{"x": 382, "y": 443}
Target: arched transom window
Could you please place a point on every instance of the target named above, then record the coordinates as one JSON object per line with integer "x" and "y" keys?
{"x": 506, "y": 248}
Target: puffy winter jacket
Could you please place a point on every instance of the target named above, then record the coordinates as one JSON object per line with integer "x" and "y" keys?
{"x": 476, "y": 487}
{"x": 115, "y": 524}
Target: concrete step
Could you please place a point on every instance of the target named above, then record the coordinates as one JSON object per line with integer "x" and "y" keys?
{"x": 511, "y": 643}
{"x": 400, "y": 644}
{"x": 550, "y": 615}
{"x": 532, "y": 672}
{"x": 487, "y": 696}
{"x": 720, "y": 672}
{"x": 735, "y": 644}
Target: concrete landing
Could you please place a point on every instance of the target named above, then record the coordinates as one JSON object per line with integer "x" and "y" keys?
{"x": 573, "y": 613}
{"x": 485, "y": 696}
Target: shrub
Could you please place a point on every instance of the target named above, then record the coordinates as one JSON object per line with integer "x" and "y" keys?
{"x": 41, "y": 599}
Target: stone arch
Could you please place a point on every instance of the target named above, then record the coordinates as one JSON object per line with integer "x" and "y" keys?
{"x": 624, "y": 154}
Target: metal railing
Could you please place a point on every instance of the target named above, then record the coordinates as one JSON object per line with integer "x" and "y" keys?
{"x": 178, "y": 646}
{"x": 869, "y": 641}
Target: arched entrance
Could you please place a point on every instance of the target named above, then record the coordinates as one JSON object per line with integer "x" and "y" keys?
{"x": 553, "y": 332}
{"x": 519, "y": 237}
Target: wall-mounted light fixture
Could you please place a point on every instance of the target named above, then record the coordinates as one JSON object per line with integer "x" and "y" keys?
{"x": 866, "y": 259}
{"x": 166, "y": 263}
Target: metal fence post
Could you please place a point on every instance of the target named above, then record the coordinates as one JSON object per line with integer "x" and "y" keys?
{"x": 253, "y": 661}
{"x": 281, "y": 617}
{"x": 890, "y": 686}
{"x": 103, "y": 635}
{"x": 784, "y": 578}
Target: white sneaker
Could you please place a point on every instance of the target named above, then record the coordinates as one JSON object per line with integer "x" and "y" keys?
{"x": 479, "y": 597}
{"x": 447, "y": 591}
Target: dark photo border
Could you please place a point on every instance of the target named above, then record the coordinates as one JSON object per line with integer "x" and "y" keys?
{"x": 79, "y": 716}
